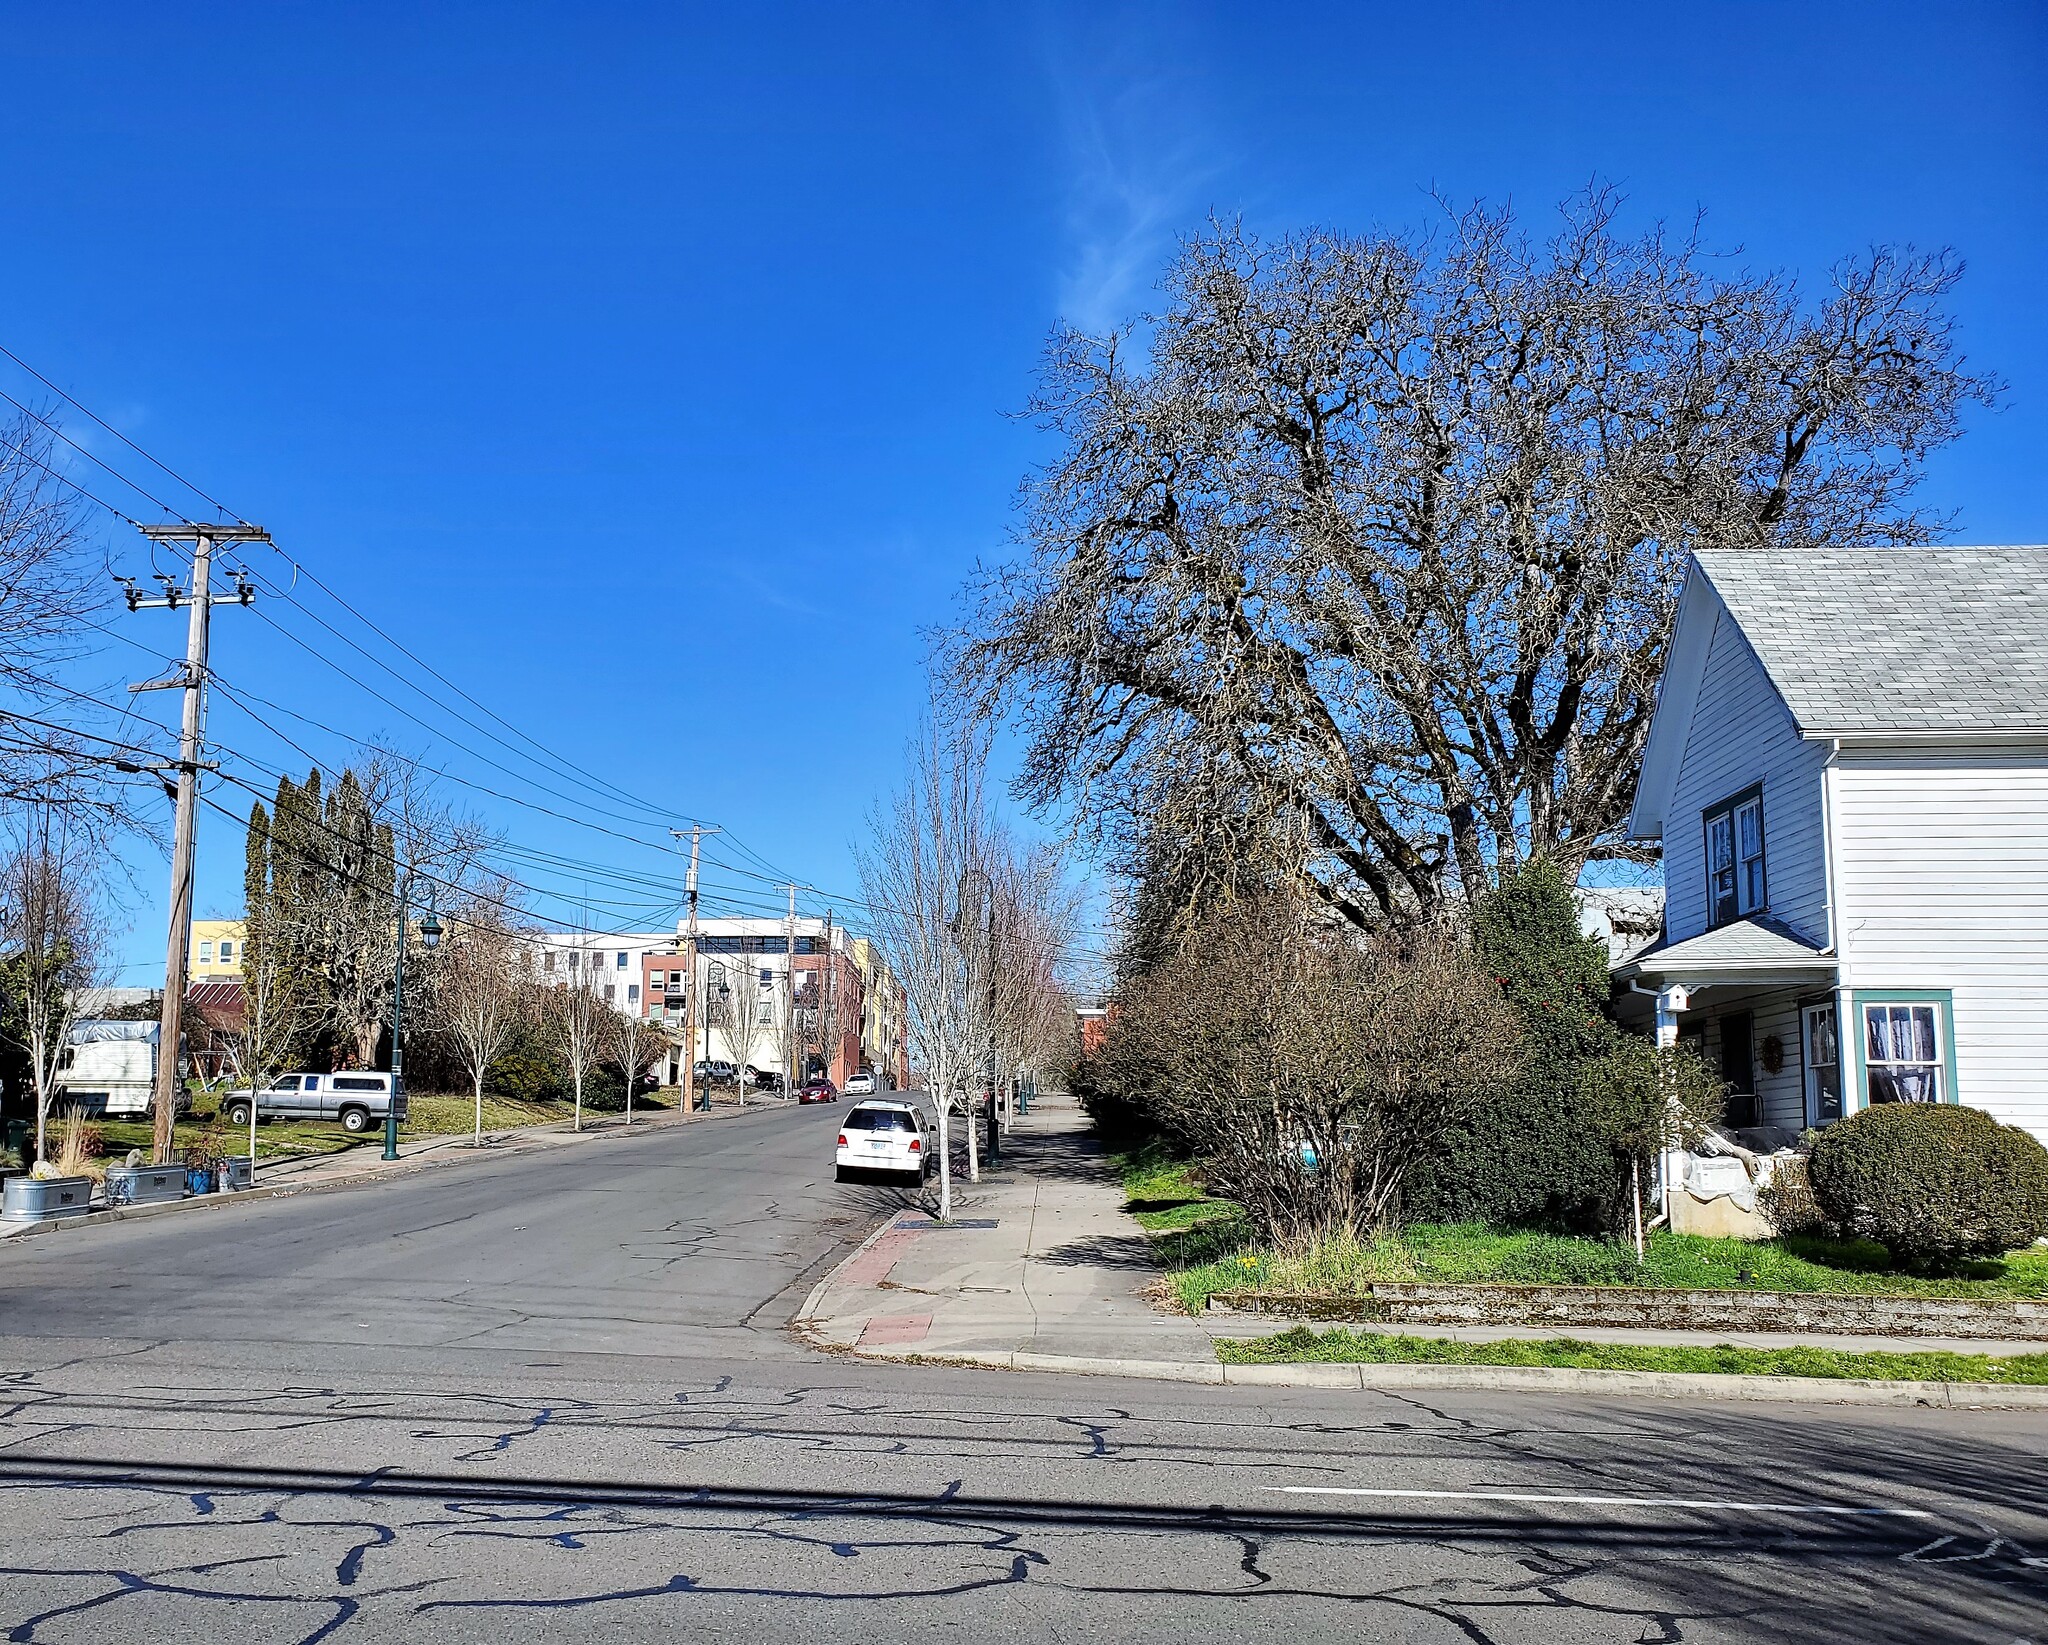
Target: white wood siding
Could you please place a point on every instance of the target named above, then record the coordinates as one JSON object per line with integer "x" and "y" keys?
{"x": 1943, "y": 883}
{"x": 1742, "y": 734}
{"x": 1781, "y": 1096}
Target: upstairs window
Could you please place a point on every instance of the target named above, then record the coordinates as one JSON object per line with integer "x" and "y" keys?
{"x": 227, "y": 951}
{"x": 206, "y": 952}
{"x": 1735, "y": 858}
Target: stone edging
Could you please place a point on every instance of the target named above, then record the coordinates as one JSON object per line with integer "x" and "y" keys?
{"x": 1566, "y": 1307}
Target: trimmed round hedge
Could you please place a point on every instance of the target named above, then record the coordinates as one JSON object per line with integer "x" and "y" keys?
{"x": 1936, "y": 1185}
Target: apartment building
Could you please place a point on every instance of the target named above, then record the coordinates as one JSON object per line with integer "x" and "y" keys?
{"x": 835, "y": 992}
{"x": 215, "y": 951}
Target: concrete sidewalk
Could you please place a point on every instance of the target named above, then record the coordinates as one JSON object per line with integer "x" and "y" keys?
{"x": 1041, "y": 1259}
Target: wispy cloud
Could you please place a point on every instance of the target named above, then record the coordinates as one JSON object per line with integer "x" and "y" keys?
{"x": 1139, "y": 165}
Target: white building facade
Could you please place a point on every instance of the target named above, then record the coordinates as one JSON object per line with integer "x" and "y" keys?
{"x": 770, "y": 995}
{"x": 1848, "y": 772}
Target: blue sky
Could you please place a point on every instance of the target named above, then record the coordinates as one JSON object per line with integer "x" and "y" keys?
{"x": 650, "y": 370}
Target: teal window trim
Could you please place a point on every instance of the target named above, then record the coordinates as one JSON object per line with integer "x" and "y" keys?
{"x": 1857, "y": 1098}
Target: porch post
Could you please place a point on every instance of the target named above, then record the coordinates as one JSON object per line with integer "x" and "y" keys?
{"x": 1671, "y": 1000}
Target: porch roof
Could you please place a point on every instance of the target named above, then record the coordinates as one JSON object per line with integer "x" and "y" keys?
{"x": 1756, "y": 950}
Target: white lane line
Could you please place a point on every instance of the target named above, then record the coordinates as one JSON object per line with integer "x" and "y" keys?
{"x": 1607, "y": 1501}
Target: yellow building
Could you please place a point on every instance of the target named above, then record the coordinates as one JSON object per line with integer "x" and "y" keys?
{"x": 216, "y": 950}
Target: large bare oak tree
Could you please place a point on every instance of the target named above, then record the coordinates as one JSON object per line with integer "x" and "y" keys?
{"x": 1368, "y": 558}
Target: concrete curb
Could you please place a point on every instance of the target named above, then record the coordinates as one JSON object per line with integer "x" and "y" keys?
{"x": 455, "y": 1149}
{"x": 1521, "y": 1379}
{"x": 816, "y": 1294}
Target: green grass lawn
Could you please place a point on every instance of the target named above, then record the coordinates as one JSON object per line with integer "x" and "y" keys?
{"x": 1302, "y": 1346}
{"x": 277, "y": 1139}
{"x": 1205, "y": 1248}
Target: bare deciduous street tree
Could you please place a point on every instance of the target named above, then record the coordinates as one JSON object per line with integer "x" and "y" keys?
{"x": 580, "y": 1019}
{"x": 736, "y": 1009}
{"x": 636, "y": 1043}
{"x": 1366, "y": 562}
{"x": 1037, "y": 920}
{"x": 921, "y": 847}
{"x": 482, "y": 984}
{"x": 51, "y": 935}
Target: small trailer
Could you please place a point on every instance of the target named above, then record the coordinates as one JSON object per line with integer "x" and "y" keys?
{"x": 108, "y": 1067}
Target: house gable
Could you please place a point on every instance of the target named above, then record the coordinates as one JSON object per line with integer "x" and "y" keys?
{"x": 1739, "y": 737}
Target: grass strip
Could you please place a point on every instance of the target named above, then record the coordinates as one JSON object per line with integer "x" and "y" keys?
{"x": 1302, "y": 1346}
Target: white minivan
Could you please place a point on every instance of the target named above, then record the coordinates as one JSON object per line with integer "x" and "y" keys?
{"x": 892, "y": 1137}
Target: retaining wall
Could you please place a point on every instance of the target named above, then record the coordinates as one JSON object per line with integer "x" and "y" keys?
{"x": 1566, "y": 1306}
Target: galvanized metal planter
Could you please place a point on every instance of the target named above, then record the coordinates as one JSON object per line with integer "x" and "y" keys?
{"x": 145, "y": 1184}
{"x": 238, "y": 1171}
{"x": 49, "y": 1200}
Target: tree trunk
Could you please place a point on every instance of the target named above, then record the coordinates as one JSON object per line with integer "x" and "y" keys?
{"x": 478, "y": 1086}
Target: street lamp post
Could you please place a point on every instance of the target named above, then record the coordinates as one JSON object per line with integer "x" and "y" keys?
{"x": 430, "y": 935}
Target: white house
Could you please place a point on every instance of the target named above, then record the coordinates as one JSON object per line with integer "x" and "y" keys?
{"x": 1848, "y": 771}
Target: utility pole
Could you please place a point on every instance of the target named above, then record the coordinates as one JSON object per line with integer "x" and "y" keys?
{"x": 789, "y": 1041}
{"x": 192, "y": 681}
{"x": 828, "y": 1019}
{"x": 697, "y": 833}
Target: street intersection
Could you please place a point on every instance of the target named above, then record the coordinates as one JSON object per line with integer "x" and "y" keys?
{"x": 555, "y": 1395}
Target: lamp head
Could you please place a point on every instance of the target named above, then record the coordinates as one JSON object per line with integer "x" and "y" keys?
{"x": 430, "y": 929}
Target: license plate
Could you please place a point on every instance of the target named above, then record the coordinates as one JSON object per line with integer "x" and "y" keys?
{"x": 874, "y": 1144}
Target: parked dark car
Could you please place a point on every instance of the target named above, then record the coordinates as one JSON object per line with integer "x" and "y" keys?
{"x": 717, "y": 1072}
{"x": 763, "y": 1079}
{"x": 817, "y": 1091}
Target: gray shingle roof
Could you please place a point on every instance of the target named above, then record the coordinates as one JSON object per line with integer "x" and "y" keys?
{"x": 1757, "y": 941}
{"x": 1896, "y": 640}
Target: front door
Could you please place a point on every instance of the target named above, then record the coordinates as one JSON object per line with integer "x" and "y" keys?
{"x": 1738, "y": 1053}
{"x": 1823, "y": 1065}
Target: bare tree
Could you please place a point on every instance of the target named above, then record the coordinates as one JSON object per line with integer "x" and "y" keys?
{"x": 737, "y": 1008}
{"x": 922, "y": 846}
{"x": 1038, "y": 917}
{"x": 635, "y": 1043}
{"x": 279, "y": 1011}
{"x": 51, "y": 934}
{"x": 1309, "y": 1068}
{"x": 1370, "y": 564}
{"x": 51, "y": 587}
{"x": 581, "y": 1020}
{"x": 482, "y": 985}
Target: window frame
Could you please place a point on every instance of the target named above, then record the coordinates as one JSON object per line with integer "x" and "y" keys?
{"x": 1731, "y": 810}
{"x": 1857, "y": 1098}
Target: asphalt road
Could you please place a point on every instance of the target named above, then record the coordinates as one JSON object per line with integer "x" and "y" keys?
{"x": 551, "y": 1396}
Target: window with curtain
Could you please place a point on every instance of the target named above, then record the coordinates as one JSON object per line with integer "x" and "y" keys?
{"x": 1736, "y": 884}
{"x": 1902, "y": 1053}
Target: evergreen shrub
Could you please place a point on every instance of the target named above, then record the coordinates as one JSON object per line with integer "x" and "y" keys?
{"x": 1935, "y": 1184}
{"x": 1537, "y": 1155}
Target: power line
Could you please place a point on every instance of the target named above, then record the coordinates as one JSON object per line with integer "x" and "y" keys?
{"x": 556, "y": 762}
